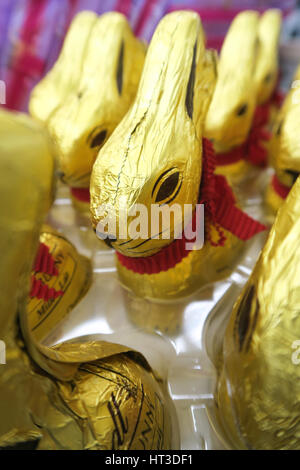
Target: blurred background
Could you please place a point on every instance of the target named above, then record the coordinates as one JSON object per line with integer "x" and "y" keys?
{"x": 32, "y": 32}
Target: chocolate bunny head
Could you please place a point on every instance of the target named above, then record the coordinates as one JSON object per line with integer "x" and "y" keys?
{"x": 89, "y": 89}
{"x": 155, "y": 154}
{"x": 231, "y": 110}
{"x": 284, "y": 145}
{"x": 26, "y": 195}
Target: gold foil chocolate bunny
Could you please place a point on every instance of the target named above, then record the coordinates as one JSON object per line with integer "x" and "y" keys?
{"x": 156, "y": 158}
{"x": 87, "y": 92}
{"x": 239, "y": 112}
{"x": 258, "y": 397}
{"x": 285, "y": 148}
{"x": 60, "y": 278}
{"x": 92, "y": 395}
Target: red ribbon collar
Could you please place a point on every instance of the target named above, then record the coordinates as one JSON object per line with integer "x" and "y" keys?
{"x": 220, "y": 212}
{"x": 82, "y": 194}
{"x": 44, "y": 263}
{"x": 253, "y": 149}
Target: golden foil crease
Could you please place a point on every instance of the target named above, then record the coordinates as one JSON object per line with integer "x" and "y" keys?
{"x": 92, "y": 395}
{"x": 258, "y": 400}
{"x": 284, "y": 154}
{"x": 159, "y": 136}
{"x": 88, "y": 91}
{"x": 71, "y": 281}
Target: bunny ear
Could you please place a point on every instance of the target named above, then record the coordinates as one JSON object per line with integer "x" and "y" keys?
{"x": 171, "y": 66}
{"x": 240, "y": 44}
{"x": 205, "y": 86}
{"x": 65, "y": 74}
{"x": 90, "y": 71}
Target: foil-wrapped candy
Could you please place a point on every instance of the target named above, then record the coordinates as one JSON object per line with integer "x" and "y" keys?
{"x": 258, "y": 398}
{"x": 83, "y": 395}
{"x": 239, "y": 113}
{"x": 87, "y": 92}
{"x": 60, "y": 278}
{"x": 285, "y": 148}
{"x": 155, "y": 158}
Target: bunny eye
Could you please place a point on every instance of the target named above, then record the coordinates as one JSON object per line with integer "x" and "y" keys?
{"x": 242, "y": 109}
{"x": 268, "y": 77}
{"x": 120, "y": 69}
{"x": 97, "y": 138}
{"x": 167, "y": 186}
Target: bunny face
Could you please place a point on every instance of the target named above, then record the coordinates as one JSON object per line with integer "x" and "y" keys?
{"x": 257, "y": 398}
{"x": 154, "y": 155}
{"x": 266, "y": 72}
{"x": 231, "y": 110}
{"x": 91, "y": 86}
{"x": 285, "y": 146}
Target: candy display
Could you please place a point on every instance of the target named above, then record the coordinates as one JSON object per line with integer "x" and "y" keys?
{"x": 149, "y": 199}
{"x": 91, "y": 395}
{"x": 257, "y": 401}
{"x": 284, "y": 148}
{"x": 87, "y": 92}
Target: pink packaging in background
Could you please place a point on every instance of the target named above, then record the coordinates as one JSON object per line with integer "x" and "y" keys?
{"x": 32, "y": 31}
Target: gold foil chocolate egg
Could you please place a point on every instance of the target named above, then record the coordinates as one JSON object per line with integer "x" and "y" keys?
{"x": 87, "y": 92}
{"x": 156, "y": 158}
{"x": 285, "y": 148}
{"x": 83, "y": 395}
{"x": 258, "y": 398}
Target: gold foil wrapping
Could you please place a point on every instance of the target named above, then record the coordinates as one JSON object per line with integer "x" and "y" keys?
{"x": 89, "y": 89}
{"x": 84, "y": 395}
{"x": 284, "y": 152}
{"x": 247, "y": 77}
{"x": 73, "y": 278}
{"x": 160, "y": 136}
{"x": 230, "y": 114}
{"x": 258, "y": 401}
{"x": 266, "y": 67}
{"x": 110, "y": 404}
